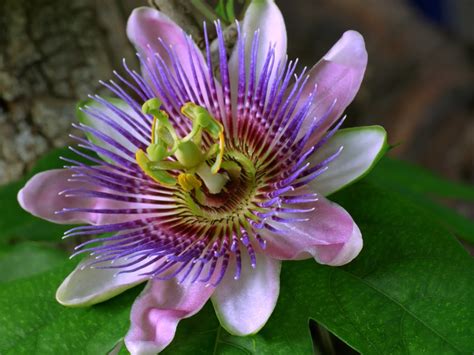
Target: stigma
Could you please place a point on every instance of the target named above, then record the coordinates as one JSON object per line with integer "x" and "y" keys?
{"x": 171, "y": 160}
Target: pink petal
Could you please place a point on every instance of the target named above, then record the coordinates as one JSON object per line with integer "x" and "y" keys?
{"x": 40, "y": 197}
{"x": 144, "y": 28}
{"x": 158, "y": 310}
{"x": 330, "y": 236}
{"x": 343, "y": 253}
{"x": 338, "y": 76}
{"x": 243, "y": 306}
{"x": 266, "y": 17}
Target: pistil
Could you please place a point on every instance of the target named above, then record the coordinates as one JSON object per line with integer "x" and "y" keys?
{"x": 190, "y": 157}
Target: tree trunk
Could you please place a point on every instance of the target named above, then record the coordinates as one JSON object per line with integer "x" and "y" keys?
{"x": 52, "y": 54}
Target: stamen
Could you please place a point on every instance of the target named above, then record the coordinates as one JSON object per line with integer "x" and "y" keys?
{"x": 190, "y": 159}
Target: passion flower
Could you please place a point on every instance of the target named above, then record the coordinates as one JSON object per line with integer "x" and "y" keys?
{"x": 207, "y": 178}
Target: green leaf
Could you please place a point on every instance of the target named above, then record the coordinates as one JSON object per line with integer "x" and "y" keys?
{"x": 427, "y": 190}
{"x": 225, "y": 10}
{"x": 27, "y": 259}
{"x": 34, "y": 323}
{"x": 461, "y": 226}
{"x": 404, "y": 175}
{"x": 411, "y": 290}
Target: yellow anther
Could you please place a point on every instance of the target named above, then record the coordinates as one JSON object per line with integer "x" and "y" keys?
{"x": 142, "y": 160}
{"x": 188, "y": 182}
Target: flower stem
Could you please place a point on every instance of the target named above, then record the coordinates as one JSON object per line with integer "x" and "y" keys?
{"x": 205, "y": 10}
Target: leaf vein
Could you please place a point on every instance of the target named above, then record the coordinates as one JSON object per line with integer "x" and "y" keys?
{"x": 404, "y": 309}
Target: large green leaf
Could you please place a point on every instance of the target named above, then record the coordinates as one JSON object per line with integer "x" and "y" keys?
{"x": 427, "y": 190}
{"x": 27, "y": 259}
{"x": 411, "y": 290}
{"x": 404, "y": 175}
{"x": 34, "y": 323}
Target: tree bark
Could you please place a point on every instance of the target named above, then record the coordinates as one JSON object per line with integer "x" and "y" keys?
{"x": 52, "y": 54}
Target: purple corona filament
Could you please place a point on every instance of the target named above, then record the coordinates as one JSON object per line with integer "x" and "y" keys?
{"x": 159, "y": 228}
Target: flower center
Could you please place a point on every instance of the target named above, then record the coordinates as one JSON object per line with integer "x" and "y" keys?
{"x": 218, "y": 186}
{"x": 232, "y": 209}
{"x": 168, "y": 152}
{"x": 234, "y": 197}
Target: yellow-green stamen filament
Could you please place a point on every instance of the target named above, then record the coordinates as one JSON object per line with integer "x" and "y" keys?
{"x": 191, "y": 161}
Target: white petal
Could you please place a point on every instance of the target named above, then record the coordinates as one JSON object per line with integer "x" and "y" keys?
{"x": 349, "y": 50}
{"x": 88, "y": 286}
{"x": 362, "y": 148}
{"x": 108, "y": 130}
{"x": 265, "y": 16}
{"x": 243, "y": 306}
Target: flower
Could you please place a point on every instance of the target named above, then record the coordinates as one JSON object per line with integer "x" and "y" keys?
{"x": 209, "y": 178}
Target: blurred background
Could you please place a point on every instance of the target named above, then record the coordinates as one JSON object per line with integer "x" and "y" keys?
{"x": 419, "y": 82}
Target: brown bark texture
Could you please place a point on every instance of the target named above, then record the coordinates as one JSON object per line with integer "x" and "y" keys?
{"x": 52, "y": 54}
